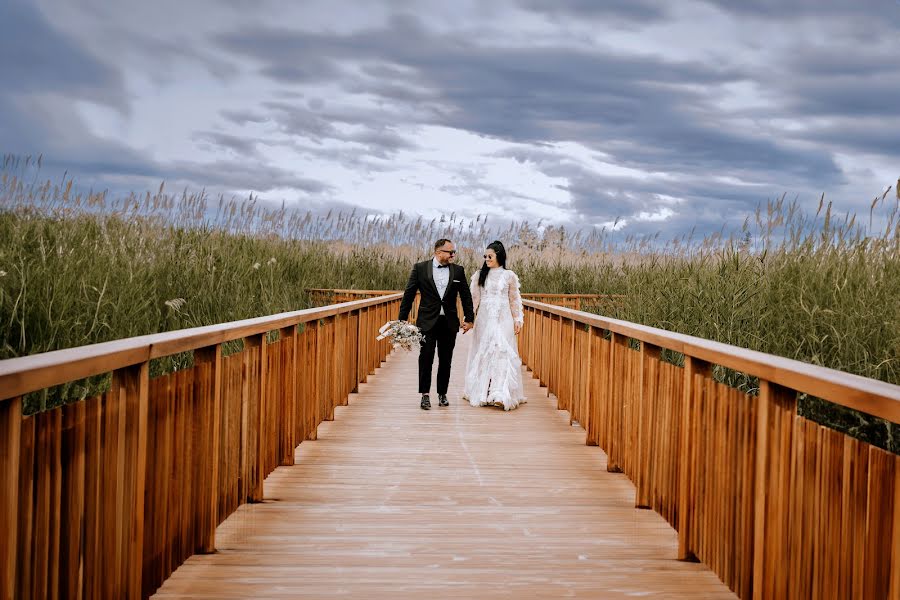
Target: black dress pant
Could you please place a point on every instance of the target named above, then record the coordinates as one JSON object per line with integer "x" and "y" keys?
{"x": 442, "y": 337}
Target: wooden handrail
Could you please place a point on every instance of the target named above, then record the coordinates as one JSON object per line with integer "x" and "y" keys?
{"x": 871, "y": 396}
{"x": 19, "y": 376}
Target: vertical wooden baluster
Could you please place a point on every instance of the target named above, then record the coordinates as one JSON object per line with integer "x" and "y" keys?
{"x": 894, "y": 563}
{"x": 647, "y": 391}
{"x": 686, "y": 471}
{"x": 880, "y": 509}
{"x": 287, "y": 426}
{"x": 244, "y": 469}
{"x": 353, "y": 350}
{"x": 776, "y": 407}
{"x": 130, "y": 389}
{"x": 260, "y": 341}
{"x": 368, "y": 335}
{"x": 72, "y": 527}
{"x": 615, "y": 450}
{"x": 587, "y": 376}
{"x": 569, "y": 361}
{"x": 593, "y": 389}
{"x": 336, "y": 365}
{"x": 315, "y": 411}
{"x": 211, "y": 356}
{"x": 112, "y": 449}
{"x": 10, "y": 428}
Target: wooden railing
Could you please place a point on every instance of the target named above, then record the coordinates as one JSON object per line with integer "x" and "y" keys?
{"x": 105, "y": 497}
{"x": 592, "y": 302}
{"x": 325, "y": 296}
{"x": 776, "y": 505}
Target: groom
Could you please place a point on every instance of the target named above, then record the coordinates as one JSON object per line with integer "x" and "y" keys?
{"x": 439, "y": 281}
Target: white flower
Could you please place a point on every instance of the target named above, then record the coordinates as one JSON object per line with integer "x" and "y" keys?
{"x": 2, "y": 273}
{"x": 401, "y": 334}
{"x": 272, "y": 261}
{"x": 256, "y": 265}
{"x": 175, "y": 304}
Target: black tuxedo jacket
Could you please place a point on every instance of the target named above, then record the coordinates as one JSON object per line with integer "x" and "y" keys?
{"x": 422, "y": 280}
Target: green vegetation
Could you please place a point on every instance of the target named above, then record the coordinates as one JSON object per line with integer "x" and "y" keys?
{"x": 80, "y": 268}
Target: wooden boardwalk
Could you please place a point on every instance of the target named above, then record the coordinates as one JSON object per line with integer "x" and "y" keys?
{"x": 460, "y": 502}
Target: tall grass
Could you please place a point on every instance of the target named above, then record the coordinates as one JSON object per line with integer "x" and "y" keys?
{"x": 78, "y": 267}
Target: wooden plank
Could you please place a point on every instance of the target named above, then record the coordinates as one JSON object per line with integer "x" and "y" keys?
{"x": 212, "y": 357}
{"x": 26, "y": 502}
{"x": 10, "y": 449}
{"x": 73, "y": 454}
{"x": 257, "y": 423}
{"x": 879, "y": 528}
{"x": 687, "y": 455}
{"x": 131, "y": 388}
{"x": 93, "y": 485}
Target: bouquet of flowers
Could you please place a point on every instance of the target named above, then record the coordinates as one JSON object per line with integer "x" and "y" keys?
{"x": 402, "y": 334}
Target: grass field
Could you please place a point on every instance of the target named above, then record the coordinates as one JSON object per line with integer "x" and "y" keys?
{"x": 80, "y": 268}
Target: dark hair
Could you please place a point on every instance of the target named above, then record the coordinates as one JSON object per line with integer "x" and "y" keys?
{"x": 500, "y": 251}
{"x": 441, "y": 242}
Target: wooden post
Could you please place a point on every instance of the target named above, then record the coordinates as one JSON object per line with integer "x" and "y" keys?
{"x": 648, "y": 389}
{"x": 615, "y": 453}
{"x": 353, "y": 352}
{"x": 212, "y": 410}
{"x": 570, "y": 369}
{"x": 130, "y": 388}
{"x": 259, "y": 341}
{"x": 687, "y": 474}
{"x": 10, "y": 428}
{"x": 288, "y": 425}
{"x": 774, "y": 426}
{"x": 588, "y": 389}
{"x": 894, "y": 564}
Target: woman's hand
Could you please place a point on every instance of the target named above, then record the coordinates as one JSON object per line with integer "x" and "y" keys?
{"x": 517, "y": 327}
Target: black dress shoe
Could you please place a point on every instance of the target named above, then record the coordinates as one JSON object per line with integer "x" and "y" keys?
{"x": 442, "y": 400}
{"x": 426, "y": 402}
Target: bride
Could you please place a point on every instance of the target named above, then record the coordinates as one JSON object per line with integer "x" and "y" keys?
{"x": 493, "y": 375}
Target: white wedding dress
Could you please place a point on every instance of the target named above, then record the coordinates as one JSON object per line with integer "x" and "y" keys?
{"x": 493, "y": 369}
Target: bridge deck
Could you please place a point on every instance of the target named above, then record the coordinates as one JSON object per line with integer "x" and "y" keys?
{"x": 392, "y": 501}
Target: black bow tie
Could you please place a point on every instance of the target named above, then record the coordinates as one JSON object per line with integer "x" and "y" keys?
{"x": 442, "y": 266}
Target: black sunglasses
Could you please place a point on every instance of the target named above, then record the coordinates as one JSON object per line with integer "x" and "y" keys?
{"x": 450, "y": 252}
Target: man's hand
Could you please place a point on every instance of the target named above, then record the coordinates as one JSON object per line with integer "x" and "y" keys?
{"x": 466, "y": 326}
{"x": 517, "y": 327}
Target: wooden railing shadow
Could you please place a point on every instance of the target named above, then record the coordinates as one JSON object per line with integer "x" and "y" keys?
{"x": 776, "y": 505}
{"x": 105, "y": 497}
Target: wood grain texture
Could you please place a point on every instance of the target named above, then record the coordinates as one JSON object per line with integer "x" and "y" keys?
{"x": 395, "y": 502}
{"x": 871, "y": 396}
{"x": 19, "y": 376}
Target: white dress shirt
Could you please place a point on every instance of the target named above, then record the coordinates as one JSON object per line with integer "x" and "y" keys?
{"x": 441, "y": 276}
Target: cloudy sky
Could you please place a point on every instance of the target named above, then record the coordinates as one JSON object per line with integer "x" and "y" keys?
{"x": 661, "y": 115}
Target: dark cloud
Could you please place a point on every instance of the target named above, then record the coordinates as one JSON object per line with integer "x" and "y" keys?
{"x": 244, "y": 175}
{"x": 626, "y": 10}
{"x": 639, "y": 109}
{"x": 241, "y": 146}
{"x": 37, "y": 58}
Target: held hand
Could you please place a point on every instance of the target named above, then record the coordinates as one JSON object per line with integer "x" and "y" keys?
{"x": 466, "y": 326}
{"x": 517, "y": 327}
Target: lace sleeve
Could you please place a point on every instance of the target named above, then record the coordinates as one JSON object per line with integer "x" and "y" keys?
{"x": 476, "y": 292}
{"x": 515, "y": 299}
